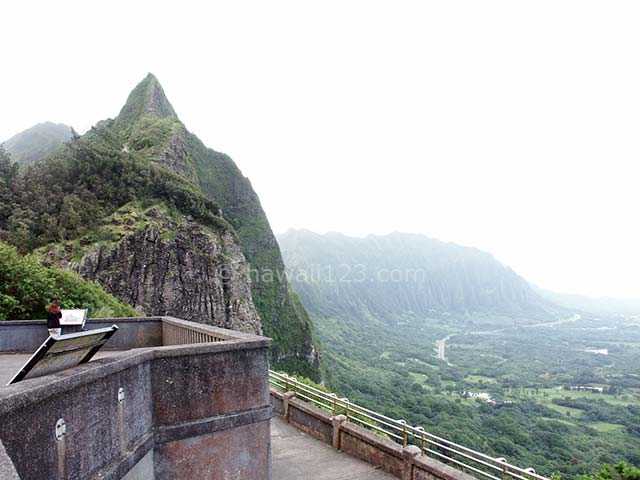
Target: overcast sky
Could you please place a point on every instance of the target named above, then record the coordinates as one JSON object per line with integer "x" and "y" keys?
{"x": 510, "y": 126}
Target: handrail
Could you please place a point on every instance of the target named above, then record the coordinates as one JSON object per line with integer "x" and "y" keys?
{"x": 180, "y": 332}
{"x": 399, "y": 431}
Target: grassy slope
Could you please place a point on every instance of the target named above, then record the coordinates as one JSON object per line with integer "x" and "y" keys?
{"x": 26, "y": 287}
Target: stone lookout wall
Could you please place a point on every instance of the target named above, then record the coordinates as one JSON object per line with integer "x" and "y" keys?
{"x": 159, "y": 412}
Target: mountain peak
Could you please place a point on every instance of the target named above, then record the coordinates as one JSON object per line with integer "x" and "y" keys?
{"x": 37, "y": 142}
{"x": 147, "y": 97}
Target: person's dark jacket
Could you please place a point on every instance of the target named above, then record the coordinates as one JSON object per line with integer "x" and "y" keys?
{"x": 53, "y": 319}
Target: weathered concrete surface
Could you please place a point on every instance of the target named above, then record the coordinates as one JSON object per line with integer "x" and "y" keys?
{"x": 144, "y": 469}
{"x": 296, "y": 456}
{"x": 10, "y": 363}
{"x": 9, "y": 366}
{"x": 372, "y": 448}
{"x": 27, "y": 335}
{"x": 229, "y": 454}
{"x": 236, "y": 381}
{"x": 7, "y": 470}
{"x": 311, "y": 419}
{"x": 177, "y": 395}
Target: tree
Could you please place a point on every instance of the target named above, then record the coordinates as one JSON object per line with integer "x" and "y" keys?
{"x": 619, "y": 471}
{"x": 8, "y": 174}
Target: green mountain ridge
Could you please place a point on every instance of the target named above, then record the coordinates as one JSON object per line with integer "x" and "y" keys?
{"x": 401, "y": 273}
{"x": 456, "y": 322}
{"x": 37, "y": 142}
{"x": 207, "y": 265}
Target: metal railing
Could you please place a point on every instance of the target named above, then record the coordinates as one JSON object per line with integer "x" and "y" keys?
{"x": 180, "y": 332}
{"x": 398, "y": 430}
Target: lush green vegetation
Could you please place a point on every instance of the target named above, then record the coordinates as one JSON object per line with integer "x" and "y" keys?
{"x": 146, "y": 157}
{"x": 619, "y": 471}
{"x": 283, "y": 317}
{"x": 379, "y": 343}
{"x": 38, "y": 142}
{"x": 26, "y": 288}
{"x": 392, "y": 367}
{"x": 66, "y": 196}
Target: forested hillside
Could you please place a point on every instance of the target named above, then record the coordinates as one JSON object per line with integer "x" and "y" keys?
{"x": 27, "y": 287}
{"x": 414, "y": 328}
{"x": 37, "y": 142}
{"x": 162, "y": 222}
{"x": 401, "y": 273}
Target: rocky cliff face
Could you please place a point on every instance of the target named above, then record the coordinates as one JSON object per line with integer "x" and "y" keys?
{"x": 148, "y": 125}
{"x": 195, "y": 275}
{"x": 163, "y": 263}
{"x": 171, "y": 227}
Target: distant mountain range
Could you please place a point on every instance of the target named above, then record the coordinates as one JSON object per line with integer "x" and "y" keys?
{"x": 401, "y": 273}
{"x": 599, "y": 305}
{"x": 37, "y": 142}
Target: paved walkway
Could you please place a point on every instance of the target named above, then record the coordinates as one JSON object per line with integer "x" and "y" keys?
{"x": 298, "y": 456}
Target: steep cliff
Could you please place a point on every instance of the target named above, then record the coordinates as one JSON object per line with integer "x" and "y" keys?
{"x": 26, "y": 287}
{"x": 164, "y": 223}
{"x": 148, "y": 125}
{"x": 401, "y": 273}
{"x": 162, "y": 263}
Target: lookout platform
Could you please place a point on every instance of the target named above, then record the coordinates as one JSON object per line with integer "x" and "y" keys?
{"x": 296, "y": 455}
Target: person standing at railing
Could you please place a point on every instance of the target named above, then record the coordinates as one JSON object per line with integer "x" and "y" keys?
{"x": 54, "y": 314}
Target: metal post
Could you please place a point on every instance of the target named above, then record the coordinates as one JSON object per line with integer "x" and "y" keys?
{"x": 404, "y": 432}
{"x": 422, "y": 439}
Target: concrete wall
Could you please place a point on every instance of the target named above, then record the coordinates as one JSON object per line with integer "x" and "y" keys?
{"x": 28, "y": 335}
{"x": 144, "y": 469}
{"x": 181, "y": 403}
{"x": 7, "y": 470}
{"x": 311, "y": 419}
{"x": 406, "y": 463}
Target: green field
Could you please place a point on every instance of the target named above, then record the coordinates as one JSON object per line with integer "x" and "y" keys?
{"x": 607, "y": 427}
{"x": 396, "y": 371}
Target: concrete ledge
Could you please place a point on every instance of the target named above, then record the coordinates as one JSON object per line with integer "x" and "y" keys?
{"x": 20, "y": 336}
{"x": 189, "y": 396}
{"x": 311, "y": 419}
{"x": 426, "y": 468}
{"x": 211, "y": 425}
{"x": 277, "y": 401}
{"x": 28, "y": 335}
{"x": 372, "y": 448}
{"x": 372, "y": 438}
{"x": 406, "y": 463}
{"x": 41, "y": 388}
{"x": 7, "y": 470}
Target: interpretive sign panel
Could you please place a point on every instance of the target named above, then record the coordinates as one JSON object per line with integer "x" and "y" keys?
{"x": 64, "y": 351}
{"x": 73, "y": 317}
